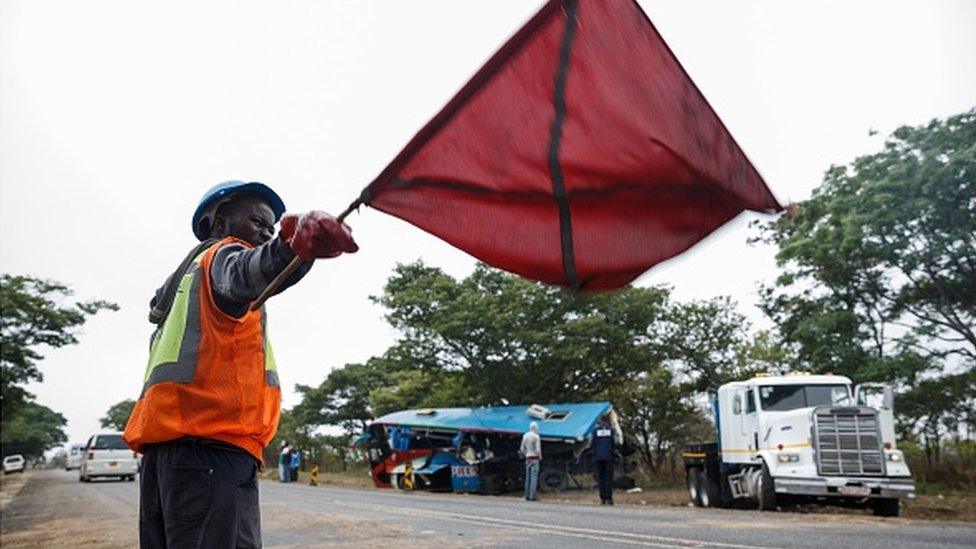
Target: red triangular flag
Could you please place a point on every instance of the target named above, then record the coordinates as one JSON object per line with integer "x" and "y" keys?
{"x": 581, "y": 154}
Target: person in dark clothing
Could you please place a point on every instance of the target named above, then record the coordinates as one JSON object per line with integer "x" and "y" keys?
{"x": 604, "y": 441}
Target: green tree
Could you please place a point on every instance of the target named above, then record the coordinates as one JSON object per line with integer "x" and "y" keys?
{"x": 515, "y": 340}
{"x": 298, "y": 432}
{"x": 420, "y": 389}
{"x": 33, "y": 316}
{"x": 338, "y": 446}
{"x": 59, "y": 460}
{"x": 118, "y": 415}
{"x": 708, "y": 340}
{"x": 343, "y": 398}
{"x": 879, "y": 270}
{"x": 659, "y": 415}
{"x": 31, "y": 429}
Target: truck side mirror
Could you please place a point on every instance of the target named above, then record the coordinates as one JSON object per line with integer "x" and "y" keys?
{"x": 737, "y": 404}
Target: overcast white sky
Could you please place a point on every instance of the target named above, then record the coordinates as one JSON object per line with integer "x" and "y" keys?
{"x": 115, "y": 116}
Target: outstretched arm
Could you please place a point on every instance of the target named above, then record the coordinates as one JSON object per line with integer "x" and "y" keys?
{"x": 239, "y": 274}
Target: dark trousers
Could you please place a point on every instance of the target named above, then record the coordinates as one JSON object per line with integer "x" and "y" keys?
{"x": 604, "y": 479}
{"x": 194, "y": 493}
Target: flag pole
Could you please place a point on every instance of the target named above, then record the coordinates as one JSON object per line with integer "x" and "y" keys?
{"x": 295, "y": 263}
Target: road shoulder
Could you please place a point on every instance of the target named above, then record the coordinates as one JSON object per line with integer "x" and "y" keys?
{"x": 11, "y": 485}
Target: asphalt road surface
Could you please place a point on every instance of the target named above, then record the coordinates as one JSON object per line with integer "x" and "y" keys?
{"x": 53, "y": 508}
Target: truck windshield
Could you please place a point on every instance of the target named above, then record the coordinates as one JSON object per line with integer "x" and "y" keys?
{"x": 781, "y": 398}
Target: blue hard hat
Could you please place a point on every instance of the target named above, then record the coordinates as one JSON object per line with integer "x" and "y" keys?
{"x": 218, "y": 194}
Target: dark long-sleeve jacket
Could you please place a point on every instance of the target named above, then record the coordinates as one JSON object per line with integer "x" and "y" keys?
{"x": 602, "y": 442}
{"x": 239, "y": 274}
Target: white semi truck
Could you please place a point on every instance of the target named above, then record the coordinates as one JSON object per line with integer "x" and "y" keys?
{"x": 810, "y": 437}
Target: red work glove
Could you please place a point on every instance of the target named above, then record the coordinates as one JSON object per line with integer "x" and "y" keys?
{"x": 316, "y": 234}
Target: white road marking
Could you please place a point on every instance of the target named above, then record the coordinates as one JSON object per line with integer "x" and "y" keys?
{"x": 648, "y": 540}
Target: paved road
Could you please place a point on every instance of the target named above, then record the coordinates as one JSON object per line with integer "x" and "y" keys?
{"x": 53, "y": 508}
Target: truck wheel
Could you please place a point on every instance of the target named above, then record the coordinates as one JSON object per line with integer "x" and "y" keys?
{"x": 708, "y": 490}
{"x": 885, "y": 507}
{"x": 694, "y": 485}
{"x": 767, "y": 490}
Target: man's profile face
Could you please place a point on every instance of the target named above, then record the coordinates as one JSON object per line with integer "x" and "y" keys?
{"x": 249, "y": 218}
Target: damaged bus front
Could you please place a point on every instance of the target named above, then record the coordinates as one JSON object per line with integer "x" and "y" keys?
{"x": 476, "y": 449}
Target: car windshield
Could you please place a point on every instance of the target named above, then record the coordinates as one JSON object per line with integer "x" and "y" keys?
{"x": 109, "y": 442}
{"x": 781, "y": 398}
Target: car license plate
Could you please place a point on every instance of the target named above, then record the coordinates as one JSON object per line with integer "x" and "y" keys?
{"x": 113, "y": 464}
{"x": 855, "y": 490}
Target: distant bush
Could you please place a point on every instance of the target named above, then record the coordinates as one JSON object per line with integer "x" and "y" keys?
{"x": 952, "y": 466}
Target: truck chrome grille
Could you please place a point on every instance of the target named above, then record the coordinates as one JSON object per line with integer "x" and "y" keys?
{"x": 848, "y": 441}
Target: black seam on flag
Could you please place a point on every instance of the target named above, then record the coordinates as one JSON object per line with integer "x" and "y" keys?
{"x": 555, "y": 170}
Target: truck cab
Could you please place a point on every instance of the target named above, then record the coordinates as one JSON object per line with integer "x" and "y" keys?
{"x": 815, "y": 437}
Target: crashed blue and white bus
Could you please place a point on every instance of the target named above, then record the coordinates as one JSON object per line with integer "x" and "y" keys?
{"x": 476, "y": 449}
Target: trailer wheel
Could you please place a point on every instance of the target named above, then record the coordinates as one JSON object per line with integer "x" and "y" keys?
{"x": 885, "y": 507}
{"x": 708, "y": 490}
{"x": 694, "y": 485}
{"x": 767, "y": 490}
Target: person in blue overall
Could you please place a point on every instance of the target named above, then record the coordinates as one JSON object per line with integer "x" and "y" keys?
{"x": 604, "y": 441}
{"x": 296, "y": 462}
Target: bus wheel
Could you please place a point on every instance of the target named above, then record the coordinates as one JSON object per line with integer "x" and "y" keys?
{"x": 693, "y": 478}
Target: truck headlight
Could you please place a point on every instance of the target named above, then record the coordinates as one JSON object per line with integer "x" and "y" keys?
{"x": 894, "y": 456}
{"x": 788, "y": 458}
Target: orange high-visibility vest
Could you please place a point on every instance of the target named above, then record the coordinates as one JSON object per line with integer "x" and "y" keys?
{"x": 209, "y": 375}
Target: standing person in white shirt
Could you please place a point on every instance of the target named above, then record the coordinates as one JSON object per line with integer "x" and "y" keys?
{"x": 531, "y": 450}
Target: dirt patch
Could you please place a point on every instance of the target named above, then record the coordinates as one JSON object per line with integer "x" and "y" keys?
{"x": 955, "y": 506}
{"x": 959, "y": 506}
{"x": 75, "y": 531}
{"x": 11, "y": 485}
{"x": 54, "y": 510}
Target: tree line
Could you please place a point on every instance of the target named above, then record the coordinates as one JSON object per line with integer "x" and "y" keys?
{"x": 34, "y": 317}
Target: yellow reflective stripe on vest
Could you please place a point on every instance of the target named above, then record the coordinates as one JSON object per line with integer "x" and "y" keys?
{"x": 175, "y": 346}
{"x": 270, "y": 367}
{"x": 173, "y": 355}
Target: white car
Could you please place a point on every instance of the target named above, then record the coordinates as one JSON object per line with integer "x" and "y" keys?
{"x": 13, "y": 464}
{"x": 76, "y": 454}
{"x": 107, "y": 455}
